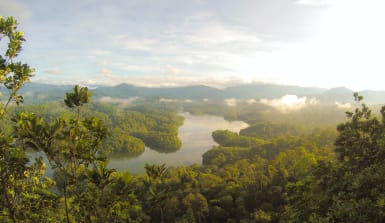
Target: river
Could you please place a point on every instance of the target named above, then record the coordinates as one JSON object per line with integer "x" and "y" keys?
{"x": 195, "y": 134}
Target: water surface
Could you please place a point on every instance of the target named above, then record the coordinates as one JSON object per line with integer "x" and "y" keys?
{"x": 195, "y": 134}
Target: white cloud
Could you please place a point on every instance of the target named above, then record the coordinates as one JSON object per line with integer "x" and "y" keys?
{"x": 108, "y": 77}
{"x": 167, "y": 100}
{"x": 54, "y": 71}
{"x": 104, "y": 62}
{"x": 343, "y": 105}
{"x": 314, "y": 2}
{"x": 286, "y": 103}
{"x": 171, "y": 70}
{"x": 201, "y": 50}
{"x": 123, "y": 102}
{"x": 332, "y": 46}
{"x": 211, "y": 35}
{"x": 16, "y": 9}
{"x": 100, "y": 52}
{"x": 215, "y": 33}
{"x": 251, "y": 101}
{"x": 340, "y": 50}
{"x": 313, "y": 101}
{"x": 137, "y": 67}
{"x": 106, "y": 72}
{"x": 232, "y": 102}
{"x": 128, "y": 43}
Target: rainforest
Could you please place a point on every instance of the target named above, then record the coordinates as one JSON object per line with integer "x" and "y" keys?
{"x": 318, "y": 162}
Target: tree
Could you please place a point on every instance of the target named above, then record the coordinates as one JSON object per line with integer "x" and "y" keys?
{"x": 350, "y": 190}
{"x": 71, "y": 146}
{"x": 13, "y": 75}
{"x": 198, "y": 204}
{"x": 24, "y": 190}
{"x": 89, "y": 191}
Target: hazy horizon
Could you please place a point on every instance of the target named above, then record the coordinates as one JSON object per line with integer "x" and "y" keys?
{"x": 213, "y": 85}
{"x": 309, "y": 43}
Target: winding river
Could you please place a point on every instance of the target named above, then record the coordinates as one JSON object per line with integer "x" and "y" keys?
{"x": 195, "y": 134}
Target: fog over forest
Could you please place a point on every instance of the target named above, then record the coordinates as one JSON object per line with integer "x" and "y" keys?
{"x": 195, "y": 111}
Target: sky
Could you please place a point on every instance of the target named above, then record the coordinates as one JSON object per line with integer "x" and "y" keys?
{"x": 322, "y": 43}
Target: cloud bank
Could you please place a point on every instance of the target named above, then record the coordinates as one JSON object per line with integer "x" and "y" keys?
{"x": 289, "y": 102}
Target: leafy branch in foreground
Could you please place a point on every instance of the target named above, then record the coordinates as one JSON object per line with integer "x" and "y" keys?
{"x": 74, "y": 148}
{"x": 351, "y": 189}
{"x": 13, "y": 75}
{"x": 24, "y": 190}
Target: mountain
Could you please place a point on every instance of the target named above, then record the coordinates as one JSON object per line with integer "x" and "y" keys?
{"x": 39, "y": 93}
{"x": 118, "y": 91}
{"x": 374, "y": 97}
{"x": 245, "y": 91}
{"x": 188, "y": 92}
{"x": 269, "y": 91}
{"x": 340, "y": 94}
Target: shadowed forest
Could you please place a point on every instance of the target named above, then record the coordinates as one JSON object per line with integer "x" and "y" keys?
{"x": 316, "y": 164}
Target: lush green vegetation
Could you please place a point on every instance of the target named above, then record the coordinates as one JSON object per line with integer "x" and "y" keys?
{"x": 130, "y": 129}
{"x": 269, "y": 172}
{"x": 319, "y": 114}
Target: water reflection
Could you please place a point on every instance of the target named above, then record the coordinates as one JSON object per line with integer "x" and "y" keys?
{"x": 195, "y": 135}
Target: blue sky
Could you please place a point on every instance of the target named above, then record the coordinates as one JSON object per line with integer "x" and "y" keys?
{"x": 325, "y": 43}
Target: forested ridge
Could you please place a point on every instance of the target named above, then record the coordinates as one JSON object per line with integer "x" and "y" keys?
{"x": 269, "y": 172}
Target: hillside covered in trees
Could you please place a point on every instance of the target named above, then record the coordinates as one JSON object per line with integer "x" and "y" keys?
{"x": 269, "y": 172}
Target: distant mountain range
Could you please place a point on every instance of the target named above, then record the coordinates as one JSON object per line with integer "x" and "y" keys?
{"x": 38, "y": 93}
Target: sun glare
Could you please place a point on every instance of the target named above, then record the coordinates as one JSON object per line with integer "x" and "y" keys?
{"x": 345, "y": 43}
{"x": 340, "y": 45}
{"x": 290, "y": 100}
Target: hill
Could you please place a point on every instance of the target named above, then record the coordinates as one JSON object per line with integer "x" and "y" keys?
{"x": 38, "y": 93}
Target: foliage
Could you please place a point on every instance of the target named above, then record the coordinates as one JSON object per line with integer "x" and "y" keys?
{"x": 227, "y": 138}
{"x": 270, "y": 172}
{"x": 25, "y": 191}
{"x": 74, "y": 150}
{"x": 350, "y": 190}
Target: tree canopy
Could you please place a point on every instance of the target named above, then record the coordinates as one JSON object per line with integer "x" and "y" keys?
{"x": 268, "y": 172}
